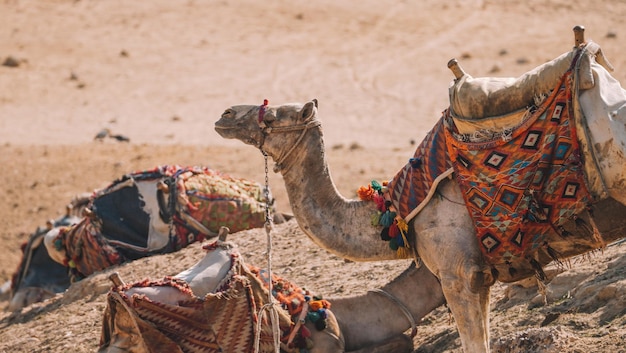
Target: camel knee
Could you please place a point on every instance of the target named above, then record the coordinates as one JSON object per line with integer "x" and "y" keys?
{"x": 479, "y": 279}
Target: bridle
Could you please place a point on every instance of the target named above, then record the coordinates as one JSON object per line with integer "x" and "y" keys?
{"x": 309, "y": 123}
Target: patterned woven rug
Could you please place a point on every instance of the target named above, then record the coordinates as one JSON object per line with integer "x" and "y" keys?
{"x": 524, "y": 185}
{"x": 411, "y": 186}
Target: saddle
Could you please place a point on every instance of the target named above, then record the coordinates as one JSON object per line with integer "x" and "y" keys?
{"x": 496, "y": 100}
{"x": 211, "y": 307}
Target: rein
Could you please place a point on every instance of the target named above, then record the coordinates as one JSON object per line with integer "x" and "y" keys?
{"x": 402, "y": 307}
{"x": 266, "y": 130}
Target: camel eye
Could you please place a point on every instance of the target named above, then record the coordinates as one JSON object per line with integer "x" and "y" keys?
{"x": 228, "y": 113}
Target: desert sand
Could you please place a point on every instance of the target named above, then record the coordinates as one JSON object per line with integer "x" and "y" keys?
{"x": 161, "y": 73}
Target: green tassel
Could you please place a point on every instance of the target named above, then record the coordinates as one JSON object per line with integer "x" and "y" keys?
{"x": 375, "y": 220}
{"x": 386, "y": 220}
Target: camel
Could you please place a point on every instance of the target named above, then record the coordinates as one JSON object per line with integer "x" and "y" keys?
{"x": 135, "y": 215}
{"x": 373, "y": 322}
{"x": 442, "y": 234}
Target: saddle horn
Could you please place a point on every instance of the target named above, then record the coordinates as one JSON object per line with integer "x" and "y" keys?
{"x": 116, "y": 279}
{"x": 456, "y": 69}
{"x": 579, "y": 35}
{"x": 223, "y": 233}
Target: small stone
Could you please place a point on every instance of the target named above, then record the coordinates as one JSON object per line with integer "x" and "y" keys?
{"x": 11, "y": 61}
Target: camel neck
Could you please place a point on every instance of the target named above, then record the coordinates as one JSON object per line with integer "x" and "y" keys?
{"x": 339, "y": 225}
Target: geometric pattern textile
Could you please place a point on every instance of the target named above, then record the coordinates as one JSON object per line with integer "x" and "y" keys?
{"x": 412, "y": 184}
{"x": 521, "y": 188}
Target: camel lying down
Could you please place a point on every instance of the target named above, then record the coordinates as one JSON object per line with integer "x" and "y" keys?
{"x": 213, "y": 307}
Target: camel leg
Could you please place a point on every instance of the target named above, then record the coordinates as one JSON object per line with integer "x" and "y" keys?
{"x": 471, "y": 313}
{"x": 457, "y": 261}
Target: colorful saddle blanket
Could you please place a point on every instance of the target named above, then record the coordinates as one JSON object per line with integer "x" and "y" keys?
{"x": 156, "y": 211}
{"x": 411, "y": 186}
{"x": 518, "y": 187}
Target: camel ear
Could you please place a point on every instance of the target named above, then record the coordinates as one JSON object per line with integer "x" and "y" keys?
{"x": 269, "y": 117}
{"x": 309, "y": 110}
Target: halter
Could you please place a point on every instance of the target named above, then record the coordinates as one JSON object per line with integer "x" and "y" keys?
{"x": 266, "y": 130}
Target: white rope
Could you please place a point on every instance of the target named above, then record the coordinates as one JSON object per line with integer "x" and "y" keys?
{"x": 272, "y": 306}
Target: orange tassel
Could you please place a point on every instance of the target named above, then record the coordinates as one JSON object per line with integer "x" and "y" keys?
{"x": 366, "y": 193}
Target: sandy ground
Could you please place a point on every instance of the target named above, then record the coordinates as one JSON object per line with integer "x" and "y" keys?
{"x": 161, "y": 72}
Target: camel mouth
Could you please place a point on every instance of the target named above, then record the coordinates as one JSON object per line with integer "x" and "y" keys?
{"x": 225, "y": 131}
{"x": 222, "y": 127}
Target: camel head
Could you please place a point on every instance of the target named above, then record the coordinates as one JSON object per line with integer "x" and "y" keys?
{"x": 275, "y": 130}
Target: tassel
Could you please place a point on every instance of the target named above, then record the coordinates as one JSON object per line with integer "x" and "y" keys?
{"x": 512, "y": 270}
{"x": 394, "y": 231}
{"x": 538, "y": 270}
{"x": 564, "y": 233}
{"x": 495, "y": 273}
{"x": 393, "y": 244}
{"x": 415, "y": 162}
{"x": 580, "y": 223}
{"x": 384, "y": 234}
{"x": 555, "y": 255}
{"x": 401, "y": 240}
{"x": 304, "y": 332}
{"x": 375, "y": 220}
{"x": 403, "y": 252}
{"x": 402, "y": 225}
{"x": 597, "y": 236}
{"x": 387, "y": 218}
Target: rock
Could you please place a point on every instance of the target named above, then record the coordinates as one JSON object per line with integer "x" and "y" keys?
{"x": 11, "y": 61}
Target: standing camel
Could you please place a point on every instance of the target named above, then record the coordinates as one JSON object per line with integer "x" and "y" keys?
{"x": 442, "y": 235}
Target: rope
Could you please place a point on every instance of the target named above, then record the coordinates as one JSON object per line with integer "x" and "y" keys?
{"x": 272, "y": 306}
{"x": 304, "y": 128}
{"x": 403, "y": 308}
